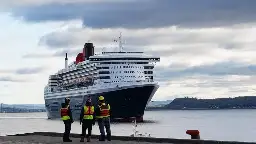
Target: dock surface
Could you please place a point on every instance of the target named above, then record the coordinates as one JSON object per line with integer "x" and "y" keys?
{"x": 56, "y": 138}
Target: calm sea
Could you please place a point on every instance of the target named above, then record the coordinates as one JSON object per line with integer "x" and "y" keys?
{"x": 231, "y": 125}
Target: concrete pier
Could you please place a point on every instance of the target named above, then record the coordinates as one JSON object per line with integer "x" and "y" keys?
{"x": 56, "y": 138}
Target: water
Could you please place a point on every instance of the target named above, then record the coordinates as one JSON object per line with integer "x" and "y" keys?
{"x": 230, "y": 125}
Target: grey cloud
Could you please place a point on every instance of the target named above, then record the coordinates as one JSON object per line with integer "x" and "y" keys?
{"x": 173, "y": 40}
{"x": 35, "y": 70}
{"x": 36, "y": 55}
{"x": 217, "y": 69}
{"x": 215, "y": 81}
{"x": 58, "y": 53}
{"x": 54, "y": 41}
{"x": 23, "y": 71}
{"x": 224, "y": 68}
{"x": 230, "y": 83}
{"x": 71, "y": 52}
{"x": 9, "y": 5}
{"x": 11, "y": 79}
{"x": 144, "y": 13}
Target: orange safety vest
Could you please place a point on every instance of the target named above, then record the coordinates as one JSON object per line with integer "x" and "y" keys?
{"x": 88, "y": 112}
{"x": 104, "y": 110}
{"x": 64, "y": 114}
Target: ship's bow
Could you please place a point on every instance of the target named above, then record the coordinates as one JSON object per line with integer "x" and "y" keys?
{"x": 130, "y": 102}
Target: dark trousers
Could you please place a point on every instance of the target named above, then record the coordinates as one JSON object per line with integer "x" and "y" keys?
{"x": 87, "y": 124}
{"x": 66, "y": 134}
{"x": 104, "y": 123}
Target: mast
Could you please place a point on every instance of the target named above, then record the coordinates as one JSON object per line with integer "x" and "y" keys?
{"x": 66, "y": 61}
{"x": 120, "y": 42}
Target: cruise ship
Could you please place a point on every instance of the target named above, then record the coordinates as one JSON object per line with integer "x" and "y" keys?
{"x": 125, "y": 79}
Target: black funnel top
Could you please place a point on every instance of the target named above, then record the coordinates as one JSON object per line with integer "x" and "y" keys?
{"x": 89, "y": 50}
{"x": 66, "y": 58}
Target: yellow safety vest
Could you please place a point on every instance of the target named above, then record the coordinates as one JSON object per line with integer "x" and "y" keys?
{"x": 88, "y": 112}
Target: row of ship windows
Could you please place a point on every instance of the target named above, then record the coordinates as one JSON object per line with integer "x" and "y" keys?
{"x": 75, "y": 76}
{"x": 145, "y": 67}
{"x": 106, "y": 59}
{"x": 108, "y": 77}
{"x": 102, "y": 67}
{"x": 129, "y": 71}
{"x": 132, "y": 67}
{"x": 148, "y": 72}
{"x": 121, "y": 81}
{"x": 148, "y": 67}
{"x": 77, "y": 68}
{"x": 114, "y": 67}
{"x": 107, "y": 72}
{"x": 72, "y": 74}
{"x": 127, "y": 76}
{"x": 124, "y": 63}
{"x": 126, "y": 72}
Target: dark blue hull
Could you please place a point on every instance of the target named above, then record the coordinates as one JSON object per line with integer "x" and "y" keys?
{"x": 126, "y": 103}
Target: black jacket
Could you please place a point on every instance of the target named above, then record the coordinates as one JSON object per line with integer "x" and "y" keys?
{"x": 70, "y": 114}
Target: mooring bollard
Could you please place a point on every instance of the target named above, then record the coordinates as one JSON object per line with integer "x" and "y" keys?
{"x": 193, "y": 133}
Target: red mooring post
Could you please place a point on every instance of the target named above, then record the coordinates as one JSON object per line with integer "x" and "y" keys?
{"x": 195, "y": 134}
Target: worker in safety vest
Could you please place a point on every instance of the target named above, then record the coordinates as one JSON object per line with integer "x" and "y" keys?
{"x": 103, "y": 118}
{"x": 67, "y": 118}
{"x": 87, "y": 118}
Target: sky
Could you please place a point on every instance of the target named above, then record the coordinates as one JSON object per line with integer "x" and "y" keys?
{"x": 207, "y": 47}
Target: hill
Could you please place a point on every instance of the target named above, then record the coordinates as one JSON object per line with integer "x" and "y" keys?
{"x": 21, "y": 108}
{"x": 25, "y": 106}
{"x": 158, "y": 103}
{"x": 243, "y": 102}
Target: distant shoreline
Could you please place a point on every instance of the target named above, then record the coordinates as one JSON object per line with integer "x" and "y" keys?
{"x": 165, "y": 109}
{"x": 242, "y": 102}
{"x": 24, "y": 112}
{"x": 159, "y": 109}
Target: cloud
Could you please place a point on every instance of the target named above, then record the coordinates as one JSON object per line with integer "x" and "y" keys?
{"x": 206, "y": 86}
{"x": 58, "y": 53}
{"x": 206, "y": 47}
{"x": 182, "y": 47}
{"x": 36, "y": 55}
{"x": 184, "y": 51}
{"x": 172, "y": 39}
{"x": 25, "y": 71}
{"x": 15, "y": 3}
{"x": 11, "y": 79}
{"x": 221, "y": 68}
{"x": 141, "y": 13}
{"x": 30, "y": 70}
